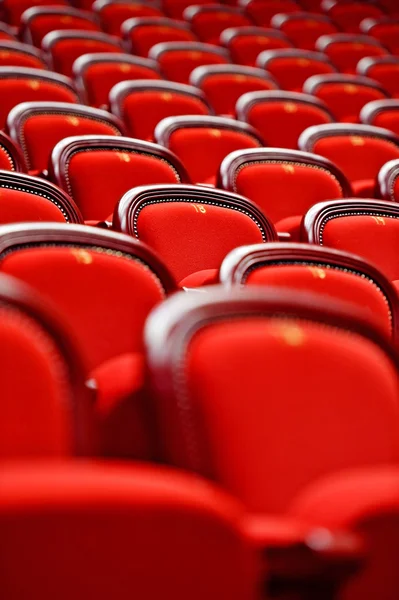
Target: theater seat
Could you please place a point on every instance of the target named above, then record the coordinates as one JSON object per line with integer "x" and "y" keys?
{"x": 385, "y": 30}
{"x": 11, "y": 157}
{"x": 245, "y": 43}
{"x": 207, "y": 21}
{"x": 348, "y": 15}
{"x": 96, "y": 74}
{"x": 15, "y": 54}
{"x": 345, "y": 50}
{"x": 191, "y": 227}
{"x": 261, "y": 12}
{"x": 211, "y": 138}
{"x": 143, "y": 104}
{"x": 358, "y": 150}
{"x": 96, "y": 170}
{"x": 141, "y": 34}
{"x": 13, "y": 9}
{"x": 280, "y": 117}
{"x": 104, "y": 285}
{"x": 283, "y": 183}
{"x": 224, "y": 84}
{"x": 175, "y": 8}
{"x": 303, "y": 28}
{"x": 382, "y": 113}
{"x": 38, "y": 126}
{"x": 292, "y": 67}
{"x": 388, "y": 181}
{"x": 305, "y": 267}
{"x": 37, "y": 21}
{"x": 384, "y": 70}
{"x": 113, "y": 14}
{"x": 345, "y": 95}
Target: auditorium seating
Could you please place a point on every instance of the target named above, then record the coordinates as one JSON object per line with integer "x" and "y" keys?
{"x": 261, "y": 12}
{"x": 385, "y": 30}
{"x": 382, "y": 113}
{"x": 303, "y": 29}
{"x": 348, "y": 15}
{"x": 384, "y": 70}
{"x": 140, "y": 34}
{"x": 37, "y": 21}
{"x": 15, "y": 54}
{"x": 208, "y": 21}
{"x": 345, "y": 50}
{"x": 113, "y": 14}
{"x": 246, "y": 43}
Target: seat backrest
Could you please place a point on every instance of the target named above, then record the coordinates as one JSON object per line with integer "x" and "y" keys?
{"x": 245, "y": 43}
{"x": 345, "y": 50}
{"x": 15, "y": 54}
{"x": 148, "y": 519}
{"x": 13, "y": 9}
{"x": 384, "y": 70}
{"x": 176, "y": 60}
{"x": 305, "y": 267}
{"x": 209, "y": 20}
{"x": 142, "y": 33}
{"x": 96, "y": 74}
{"x": 292, "y": 67}
{"x": 286, "y": 375}
{"x": 213, "y": 138}
{"x": 368, "y": 228}
{"x": 38, "y": 126}
{"x": 349, "y": 14}
{"x": 62, "y": 48}
{"x": 37, "y": 21}
{"x": 388, "y": 181}
{"x": 143, "y": 104}
{"x": 382, "y": 113}
{"x": 191, "y": 227}
{"x": 224, "y": 84}
{"x": 345, "y": 95}
{"x": 359, "y": 150}
{"x": 113, "y": 13}
{"x": 32, "y": 85}
{"x": 304, "y": 28}
{"x": 11, "y": 157}
{"x": 44, "y": 403}
{"x": 96, "y": 170}
{"x": 261, "y": 12}
{"x": 385, "y": 30}
{"x": 280, "y": 117}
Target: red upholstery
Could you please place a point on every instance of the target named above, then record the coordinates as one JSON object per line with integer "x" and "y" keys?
{"x": 14, "y": 9}
{"x": 385, "y": 30}
{"x": 113, "y": 14}
{"x": 346, "y": 50}
{"x": 37, "y": 22}
{"x": 20, "y": 55}
{"x": 117, "y": 525}
{"x": 348, "y": 15}
{"x": 175, "y": 8}
{"x": 384, "y": 70}
{"x": 142, "y": 34}
{"x": 6, "y": 33}
{"x": 208, "y": 21}
{"x": 303, "y": 29}
{"x": 383, "y": 113}
{"x": 11, "y": 158}
{"x": 262, "y": 11}
{"x": 18, "y": 206}
{"x": 246, "y": 43}
{"x": 291, "y": 68}
{"x": 177, "y": 62}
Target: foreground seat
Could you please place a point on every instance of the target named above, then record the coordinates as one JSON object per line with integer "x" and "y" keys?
{"x": 15, "y": 54}
{"x": 345, "y": 50}
{"x": 382, "y": 113}
{"x": 209, "y": 20}
{"x": 384, "y": 70}
{"x": 37, "y": 21}
{"x": 140, "y": 34}
{"x": 388, "y": 182}
{"x": 246, "y": 43}
{"x": 113, "y": 14}
{"x": 359, "y": 150}
{"x": 191, "y": 227}
{"x": 303, "y": 28}
{"x": 283, "y": 183}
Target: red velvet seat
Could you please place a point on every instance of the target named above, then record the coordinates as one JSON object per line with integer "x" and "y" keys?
{"x": 286, "y": 375}
{"x": 304, "y": 28}
{"x": 224, "y": 84}
{"x": 261, "y": 12}
{"x": 385, "y": 30}
{"x": 104, "y": 285}
{"x": 13, "y": 9}
{"x": 143, "y": 104}
{"x": 38, "y": 126}
{"x": 368, "y": 228}
{"x": 245, "y": 43}
{"x": 62, "y": 48}
{"x": 14, "y": 54}
{"x": 382, "y": 113}
{"x": 38, "y": 21}
{"x": 118, "y": 525}
{"x": 384, "y": 70}
{"x": 302, "y": 267}
{"x": 345, "y": 50}
{"x": 140, "y": 35}
{"x": 283, "y": 183}
{"x": 211, "y": 138}
{"x": 191, "y": 227}
{"x": 345, "y": 95}
{"x": 208, "y": 21}
{"x": 280, "y": 117}
{"x": 177, "y": 59}
{"x": 348, "y": 14}
{"x": 112, "y": 13}
{"x": 11, "y": 157}
{"x": 292, "y": 67}
{"x": 24, "y": 198}
{"x": 96, "y": 74}
{"x": 388, "y": 181}
{"x": 358, "y": 150}
{"x": 96, "y": 170}
{"x": 44, "y": 403}
{"x": 32, "y": 85}
{"x": 175, "y": 8}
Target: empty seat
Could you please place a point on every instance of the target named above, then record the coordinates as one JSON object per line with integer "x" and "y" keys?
{"x": 11, "y": 157}
{"x": 345, "y": 95}
{"x": 368, "y": 228}
{"x": 345, "y": 49}
{"x": 384, "y": 70}
{"x": 191, "y": 227}
{"x": 304, "y": 28}
{"x": 262, "y": 11}
{"x": 96, "y": 170}
{"x": 358, "y": 150}
{"x": 31, "y": 85}
{"x": 211, "y": 138}
{"x": 62, "y": 48}
{"x": 13, "y": 9}
{"x": 280, "y": 117}
{"x": 224, "y": 84}
{"x": 143, "y": 104}
{"x": 44, "y": 403}
{"x": 388, "y": 181}
{"x": 143, "y": 33}
{"x": 348, "y": 14}
{"x": 112, "y": 13}
{"x": 117, "y": 525}
{"x": 382, "y": 113}
{"x": 104, "y": 285}
{"x": 38, "y": 21}
{"x": 283, "y": 183}
{"x": 38, "y": 126}
{"x": 177, "y": 59}
{"x": 96, "y": 74}
{"x": 385, "y": 30}
{"x": 245, "y": 43}
{"x": 209, "y": 20}
{"x": 292, "y": 67}
{"x": 14, "y": 54}
{"x": 302, "y": 267}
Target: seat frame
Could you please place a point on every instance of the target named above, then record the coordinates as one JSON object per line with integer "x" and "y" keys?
{"x": 387, "y": 177}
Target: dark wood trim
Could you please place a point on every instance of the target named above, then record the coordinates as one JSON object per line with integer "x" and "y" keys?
{"x": 14, "y": 152}
{"x": 309, "y": 138}
{"x": 267, "y": 56}
{"x": 387, "y": 177}
{"x": 198, "y": 75}
{"x": 312, "y": 84}
{"x": 156, "y": 51}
